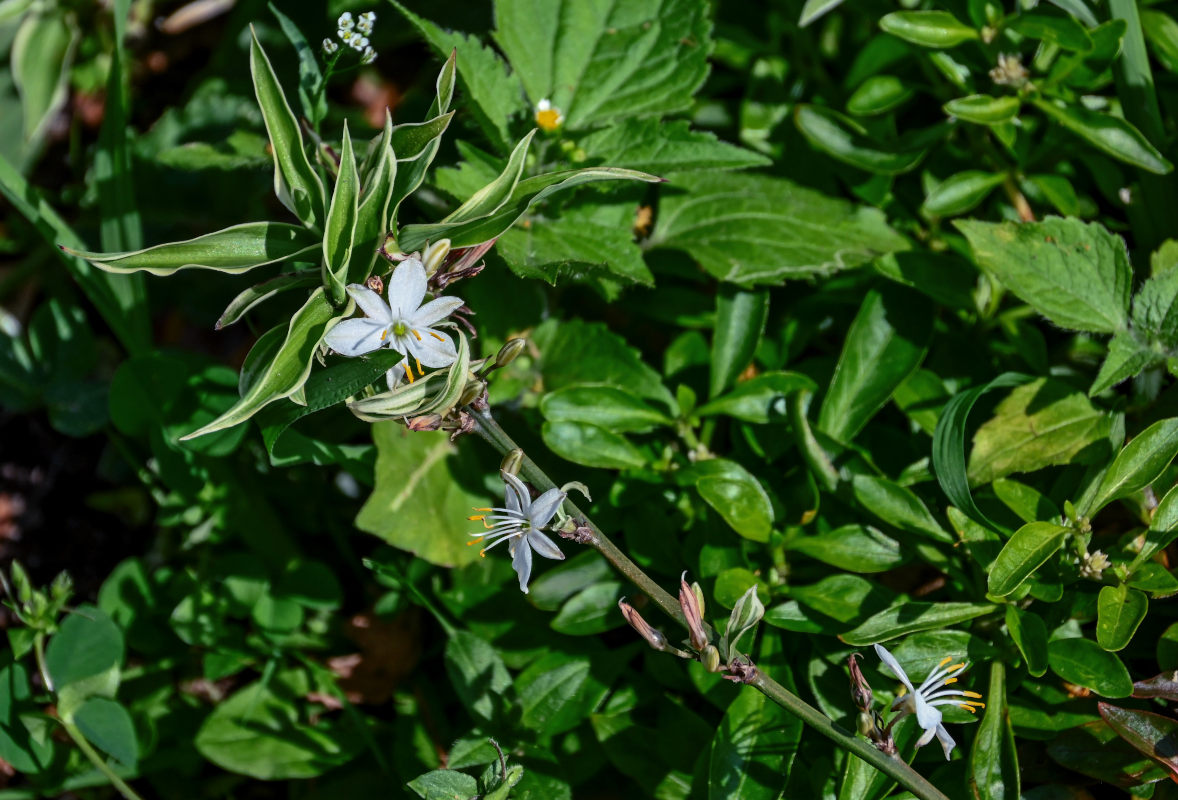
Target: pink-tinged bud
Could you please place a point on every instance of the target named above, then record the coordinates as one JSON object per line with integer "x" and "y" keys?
{"x": 689, "y": 602}
{"x": 653, "y": 637}
{"x": 860, "y": 689}
{"x": 426, "y": 422}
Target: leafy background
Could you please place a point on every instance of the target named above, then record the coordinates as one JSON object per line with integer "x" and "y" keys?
{"x": 892, "y": 342}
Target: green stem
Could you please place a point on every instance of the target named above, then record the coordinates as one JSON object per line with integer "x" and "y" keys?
{"x": 894, "y": 768}
{"x": 79, "y": 738}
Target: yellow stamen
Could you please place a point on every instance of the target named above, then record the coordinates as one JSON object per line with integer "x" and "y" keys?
{"x": 477, "y": 517}
{"x": 972, "y": 694}
{"x": 482, "y": 554}
{"x": 420, "y": 371}
{"x": 476, "y": 508}
{"x": 950, "y": 680}
{"x": 437, "y": 336}
{"x": 384, "y": 334}
{"x": 956, "y": 667}
{"x": 946, "y": 660}
{"x": 415, "y": 333}
{"x": 970, "y": 709}
{"x": 473, "y": 541}
{"x": 408, "y": 372}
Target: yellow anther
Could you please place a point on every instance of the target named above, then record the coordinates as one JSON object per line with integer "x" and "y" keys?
{"x": 956, "y": 667}
{"x": 474, "y": 541}
{"x": 408, "y": 371}
{"x": 420, "y": 371}
{"x": 384, "y": 334}
{"x": 415, "y": 333}
{"x": 970, "y": 709}
{"x": 482, "y": 554}
{"x": 437, "y": 336}
{"x": 476, "y": 508}
{"x": 950, "y": 680}
{"x": 477, "y": 517}
{"x": 972, "y": 694}
{"x": 945, "y": 661}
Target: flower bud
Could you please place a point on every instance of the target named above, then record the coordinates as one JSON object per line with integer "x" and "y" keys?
{"x": 509, "y": 352}
{"x": 860, "y": 689}
{"x": 435, "y": 255}
{"x": 866, "y": 724}
{"x": 710, "y": 658}
{"x": 473, "y": 391}
{"x": 426, "y": 422}
{"x": 692, "y": 613}
{"x": 653, "y": 637}
{"x": 512, "y": 462}
{"x": 375, "y": 283}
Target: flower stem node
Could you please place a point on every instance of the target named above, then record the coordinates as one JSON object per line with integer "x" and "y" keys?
{"x": 741, "y": 670}
{"x": 654, "y": 637}
{"x": 520, "y": 522}
{"x": 922, "y": 701}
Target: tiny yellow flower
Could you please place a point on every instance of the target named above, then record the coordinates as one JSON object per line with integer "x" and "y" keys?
{"x": 548, "y": 116}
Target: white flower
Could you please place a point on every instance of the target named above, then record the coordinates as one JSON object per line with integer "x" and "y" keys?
{"x": 345, "y": 22}
{"x": 364, "y": 25}
{"x": 346, "y": 35}
{"x": 329, "y": 46}
{"x": 358, "y": 42}
{"x": 368, "y": 16}
{"x": 403, "y": 324}
{"x": 922, "y": 701}
{"x": 519, "y": 523}
{"x": 369, "y": 56}
{"x": 548, "y": 116}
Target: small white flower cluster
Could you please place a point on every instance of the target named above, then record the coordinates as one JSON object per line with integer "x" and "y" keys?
{"x": 354, "y": 33}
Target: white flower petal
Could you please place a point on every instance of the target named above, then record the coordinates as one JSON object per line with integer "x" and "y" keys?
{"x": 435, "y": 310}
{"x": 434, "y": 348}
{"x": 926, "y": 737}
{"x": 894, "y": 666}
{"x": 544, "y": 507}
{"x": 521, "y": 562}
{"x": 927, "y": 716}
{"x": 544, "y": 546}
{"x": 355, "y": 337}
{"x": 370, "y": 303}
{"x": 395, "y": 375}
{"x": 518, "y": 499}
{"x": 947, "y": 743}
{"x": 407, "y": 288}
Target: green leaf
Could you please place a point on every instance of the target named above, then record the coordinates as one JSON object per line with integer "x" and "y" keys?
{"x": 295, "y": 182}
{"x": 898, "y": 507}
{"x": 736, "y": 495}
{"x": 1155, "y": 309}
{"x": 420, "y": 501}
{"x": 575, "y": 352}
{"x": 607, "y": 62}
{"x": 375, "y": 216}
{"x": 1027, "y": 502}
{"x": 107, "y": 724}
{"x": 591, "y": 445}
{"x": 1161, "y": 32}
{"x": 984, "y": 109}
{"x": 287, "y": 371}
{"x": 949, "y": 447}
{"x": 1094, "y": 749}
{"x": 760, "y": 399}
{"x": 751, "y": 229}
{"x": 494, "y": 93}
{"x": 1119, "y": 612}
{"x": 1152, "y": 734}
{"x": 1037, "y": 425}
{"x": 961, "y": 192}
{"x": 844, "y": 597}
{"x": 993, "y": 760}
{"x": 235, "y": 249}
{"x": 1075, "y": 274}
{"x": 1065, "y": 32}
{"x": 606, "y": 406}
{"x": 497, "y": 193}
{"x": 947, "y": 278}
{"x": 830, "y": 132}
{"x": 86, "y": 645}
{"x": 1029, "y": 633}
{"x": 885, "y": 344}
{"x": 740, "y": 322}
{"x": 1138, "y": 464}
{"x": 414, "y": 149}
{"x": 257, "y": 732}
{"x": 528, "y": 193}
{"x": 41, "y": 53}
{"x": 477, "y": 673}
{"x": 444, "y": 784}
{"x": 557, "y": 691}
{"x": 813, "y": 9}
{"x": 1127, "y": 357}
{"x": 1026, "y": 551}
{"x": 591, "y": 611}
{"x": 857, "y": 548}
{"x": 879, "y": 94}
{"x": 1084, "y": 663}
{"x": 1112, "y": 135}
{"x": 909, "y": 617}
{"x": 661, "y": 147}
{"x": 340, "y": 230}
{"x": 751, "y": 751}
{"x": 937, "y": 29}
{"x": 313, "y": 103}
{"x": 259, "y": 293}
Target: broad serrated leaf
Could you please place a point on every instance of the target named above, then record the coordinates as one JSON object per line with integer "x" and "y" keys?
{"x": 662, "y": 147}
{"x": 1127, "y": 357}
{"x": 751, "y": 229}
{"x": 1074, "y": 273}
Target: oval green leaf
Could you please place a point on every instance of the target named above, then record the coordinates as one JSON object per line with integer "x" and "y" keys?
{"x": 938, "y": 29}
{"x": 1084, "y": 663}
{"x": 591, "y": 445}
{"x": 984, "y": 109}
{"x": 908, "y": 618}
{"x": 960, "y": 193}
{"x": 1119, "y": 611}
{"x": 1026, "y": 551}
